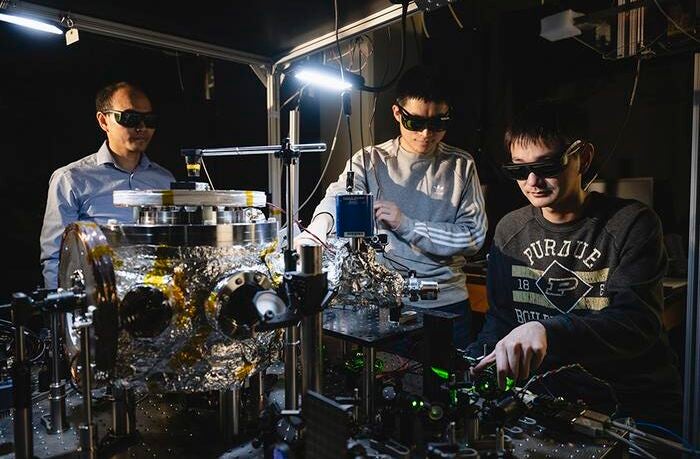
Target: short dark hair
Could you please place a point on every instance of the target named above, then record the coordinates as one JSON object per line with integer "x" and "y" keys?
{"x": 555, "y": 124}
{"x": 103, "y": 100}
{"x": 423, "y": 84}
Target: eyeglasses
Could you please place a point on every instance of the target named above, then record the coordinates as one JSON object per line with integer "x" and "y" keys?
{"x": 419, "y": 123}
{"x": 132, "y": 119}
{"x": 550, "y": 167}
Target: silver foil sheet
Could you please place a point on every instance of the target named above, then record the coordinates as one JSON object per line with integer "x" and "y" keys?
{"x": 360, "y": 280}
{"x": 190, "y": 355}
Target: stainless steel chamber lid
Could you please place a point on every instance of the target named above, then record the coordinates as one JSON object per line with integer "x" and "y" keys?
{"x": 219, "y": 198}
{"x": 192, "y": 235}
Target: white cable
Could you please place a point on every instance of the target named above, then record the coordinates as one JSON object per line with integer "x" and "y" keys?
{"x": 328, "y": 161}
{"x": 454, "y": 15}
{"x": 670, "y": 19}
{"x": 632, "y": 445}
{"x": 206, "y": 172}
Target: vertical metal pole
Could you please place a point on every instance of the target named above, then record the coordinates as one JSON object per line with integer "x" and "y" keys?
{"x": 291, "y": 391}
{"x": 368, "y": 382}
{"x": 311, "y": 330}
{"x": 230, "y": 413}
{"x": 500, "y": 441}
{"x": 691, "y": 415}
{"x": 88, "y": 430}
{"x": 22, "y": 387}
{"x": 123, "y": 409}
{"x": 257, "y": 385}
{"x": 295, "y": 138}
{"x": 292, "y": 177}
{"x": 274, "y": 170}
{"x": 57, "y": 396}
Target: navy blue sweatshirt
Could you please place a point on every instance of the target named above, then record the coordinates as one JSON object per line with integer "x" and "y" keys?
{"x": 596, "y": 286}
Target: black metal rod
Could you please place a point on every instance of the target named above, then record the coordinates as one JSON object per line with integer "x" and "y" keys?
{"x": 24, "y": 438}
{"x": 21, "y": 380}
{"x": 57, "y": 397}
{"x": 88, "y": 432}
{"x": 368, "y": 376}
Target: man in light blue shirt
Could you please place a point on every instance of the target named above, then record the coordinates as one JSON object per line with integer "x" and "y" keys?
{"x": 82, "y": 190}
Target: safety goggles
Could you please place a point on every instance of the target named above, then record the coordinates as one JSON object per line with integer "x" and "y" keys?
{"x": 418, "y": 123}
{"x": 132, "y": 119}
{"x": 550, "y": 167}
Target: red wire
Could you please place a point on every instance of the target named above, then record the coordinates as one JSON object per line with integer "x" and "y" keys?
{"x": 298, "y": 222}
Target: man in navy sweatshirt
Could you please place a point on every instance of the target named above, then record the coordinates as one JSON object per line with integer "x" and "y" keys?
{"x": 576, "y": 276}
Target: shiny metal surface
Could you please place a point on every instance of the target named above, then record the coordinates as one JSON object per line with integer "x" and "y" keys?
{"x": 231, "y": 307}
{"x": 311, "y": 329}
{"x": 219, "y": 198}
{"x": 192, "y": 235}
{"x": 85, "y": 251}
{"x": 197, "y": 215}
{"x": 159, "y": 280}
{"x": 192, "y": 352}
{"x": 361, "y": 281}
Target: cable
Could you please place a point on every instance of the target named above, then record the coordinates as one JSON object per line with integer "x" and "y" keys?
{"x": 206, "y": 172}
{"x": 585, "y": 43}
{"x": 657, "y": 439}
{"x": 179, "y": 71}
{"x": 376, "y": 95}
{"x": 38, "y": 345}
{"x": 424, "y": 25}
{"x": 71, "y": 376}
{"x": 454, "y": 15}
{"x": 667, "y": 431}
{"x": 670, "y": 19}
{"x": 342, "y": 77}
{"x": 569, "y": 367}
{"x": 299, "y": 93}
{"x": 629, "y": 443}
{"x": 347, "y": 118}
{"x": 328, "y": 161}
{"x": 630, "y": 104}
{"x": 303, "y": 228}
{"x": 358, "y": 40}
{"x": 607, "y": 56}
{"x": 362, "y": 138}
{"x": 332, "y": 221}
{"x": 384, "y": 87}
{"x": 337, "y": 40}
{"x": 396, "y": 262}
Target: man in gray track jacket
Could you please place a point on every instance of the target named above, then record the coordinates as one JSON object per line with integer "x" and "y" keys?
{"x": 428, "y": 198}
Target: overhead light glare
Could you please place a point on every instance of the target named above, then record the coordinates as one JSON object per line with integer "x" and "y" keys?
{"x": 323, "y": 79}
{"x": 30, "y": 23}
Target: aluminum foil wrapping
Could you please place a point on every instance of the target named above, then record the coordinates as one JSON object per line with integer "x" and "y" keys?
{"x": 359, "y": 279}
{"x": 189, "y": 355}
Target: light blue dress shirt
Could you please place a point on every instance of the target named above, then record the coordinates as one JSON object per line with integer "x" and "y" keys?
{"x": 82, "y": 190}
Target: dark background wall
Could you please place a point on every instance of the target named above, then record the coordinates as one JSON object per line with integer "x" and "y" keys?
{"x": 497, "y": 65}
{"x": 47, "y": 120}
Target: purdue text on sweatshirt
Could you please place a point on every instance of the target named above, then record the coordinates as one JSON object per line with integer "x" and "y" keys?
{"x": 596, "y": 286}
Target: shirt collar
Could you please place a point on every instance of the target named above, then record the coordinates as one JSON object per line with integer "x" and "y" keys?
{"x": 104, "y": 156}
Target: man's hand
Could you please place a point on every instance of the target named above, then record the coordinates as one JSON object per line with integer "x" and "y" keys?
{"x": 389, "y": 213}
{"x": 519, "y": 352}
{"x": 318, "y": 227}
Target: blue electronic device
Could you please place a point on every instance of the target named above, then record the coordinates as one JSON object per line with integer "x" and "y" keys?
{"x": 354, "y": 215}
